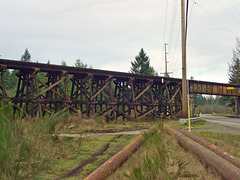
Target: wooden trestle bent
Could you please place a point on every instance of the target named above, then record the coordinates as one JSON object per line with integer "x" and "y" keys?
{"x": 46, "y": 89}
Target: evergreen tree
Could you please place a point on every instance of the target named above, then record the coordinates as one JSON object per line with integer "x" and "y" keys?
{"x": 80, "y": 64}
{"x": 222, "y": 100}
{"x": 26, "y": 56}
{"x": 63, "y": 63}
{"x": 234, "y": 72}
{"x": 141, "y": 65}
{"x": 199, "y": 100}
{"x": 234, "y": 67}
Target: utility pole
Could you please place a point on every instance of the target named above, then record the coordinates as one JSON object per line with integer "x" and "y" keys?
{"x": 166, "y": 73}
{"x": 184, "y": 69}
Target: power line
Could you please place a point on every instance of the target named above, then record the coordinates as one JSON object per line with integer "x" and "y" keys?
{"x": 186, "y": 21}
{"x": 229, "y": 12}
{"x": 190, "y": 15}
{"x": 174, "y": 57}
{"x": 164, "y": 30}
{"x": 173, "y": 31}
{"x": 173, "y": 22}
{"x": 233, "y": 6}
{"x": 166, "y": 12}
{"x": 174, "y": 54}
{"x": 215, "y": 19}
{"x": 237, "y": 2}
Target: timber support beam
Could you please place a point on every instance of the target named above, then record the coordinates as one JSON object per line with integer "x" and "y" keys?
{"x": 46, "y": 89}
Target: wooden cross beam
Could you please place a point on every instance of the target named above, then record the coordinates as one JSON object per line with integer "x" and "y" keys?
{"x": 146, "y": 113}
{"x": 174, "y": 95}
{"x": 52, "y": 86}
{"x": 148, "y": 86}
{"x": 102, "y": 88}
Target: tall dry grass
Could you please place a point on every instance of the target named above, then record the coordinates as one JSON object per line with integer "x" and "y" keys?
{"x": 27, "y": 145}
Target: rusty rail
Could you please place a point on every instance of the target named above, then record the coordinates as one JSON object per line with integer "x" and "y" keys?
{"x": 229, "y": 157}
{"x": 112, "y": 164}
{"x": 222, "y": 166}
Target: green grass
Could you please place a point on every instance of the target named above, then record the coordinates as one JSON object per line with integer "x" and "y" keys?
{"x": 106, "y": 155}
{"x": 28, "y": 150}
{"x": 89, "y": 146}
{"x": 155, "y": 162}
{"x": 27, "y": 145}
{"x": 220, "y": 136}
{"x": 228, "y": 142}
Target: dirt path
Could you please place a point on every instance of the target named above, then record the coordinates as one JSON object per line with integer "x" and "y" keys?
{"x": 104, "y": 133}
{"x": 89, "y": 160}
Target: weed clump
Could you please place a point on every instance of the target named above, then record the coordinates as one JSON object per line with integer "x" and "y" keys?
{"x": 161, "y": 157}
{"x": 27, "y": 145}
{"x": 156, "y": 162}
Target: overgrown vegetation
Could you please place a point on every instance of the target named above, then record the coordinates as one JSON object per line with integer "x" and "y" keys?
{"x": 30, "y": 148}
{"x": 161, "y": 157}
{"x": 156, "y": 163}
{"x": 27, "y": 145}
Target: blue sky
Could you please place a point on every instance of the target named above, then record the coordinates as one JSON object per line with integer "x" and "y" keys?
{"x": 108, "y": 34}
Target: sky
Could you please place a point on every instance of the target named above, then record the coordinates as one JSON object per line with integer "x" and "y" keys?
{"x": 108, "y": 34}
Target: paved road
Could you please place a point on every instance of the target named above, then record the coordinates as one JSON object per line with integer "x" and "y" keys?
{"x": 235, "y": 122}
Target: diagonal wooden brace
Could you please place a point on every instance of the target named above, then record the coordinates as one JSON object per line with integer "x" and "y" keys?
{"x": 148, "y": 112}
{"x": 102, "y": 88}
{"x": 174, "y": 95}
{"x": 36, "y": 70}
{"x": 107, "y": 112}
{"x": 52, "y": 86}
{"x": 51, "y": 89}
{"x": 148, "y": 86}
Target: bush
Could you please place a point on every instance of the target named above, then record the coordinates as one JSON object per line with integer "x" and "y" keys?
{"x": 21, "y": 143}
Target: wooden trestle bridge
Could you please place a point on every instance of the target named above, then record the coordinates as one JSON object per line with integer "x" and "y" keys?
{"x": 46, "y": 89}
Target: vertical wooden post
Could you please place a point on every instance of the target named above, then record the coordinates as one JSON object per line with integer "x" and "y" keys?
{"x": 66, "y": 92}
{"x": 37, "y": 91}
{"x": 32, "y": 98}
{"x": 26, "y": 84}
{"x": 3, "y": 86}
{"x": 133, "y": 97}
{"x": 184, "y": 70}
{"x": 238, "y": 105}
